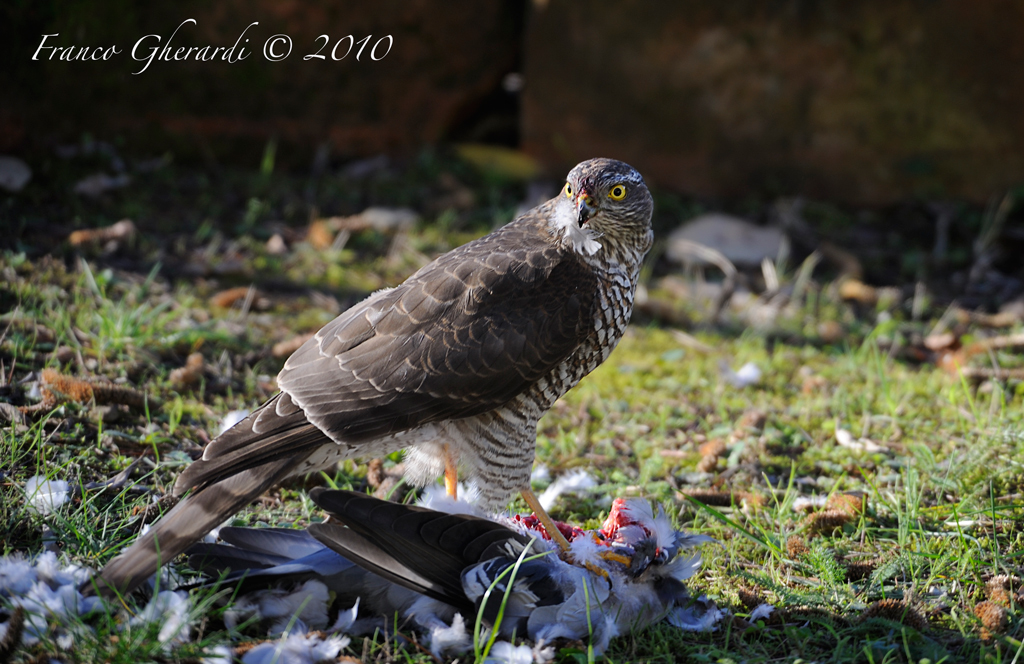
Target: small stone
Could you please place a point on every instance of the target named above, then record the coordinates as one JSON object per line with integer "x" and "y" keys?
{"x": 752, "y": 420}
{"x": 10, "y": 413}
{"x": 107, "y": 414}
{"x": 100, "y": 183}
{"x": 830, "y": 331}
{"x": 941, "y": 341}
{"x": 14, "y": 174}
{"x": 742, "y": 242}
{"x": 276, "y": 245}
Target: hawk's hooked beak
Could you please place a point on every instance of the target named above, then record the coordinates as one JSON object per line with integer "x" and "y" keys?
{"x": 584, "y": 207}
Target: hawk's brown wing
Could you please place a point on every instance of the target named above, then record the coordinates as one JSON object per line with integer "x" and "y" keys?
{"x": 464, "y": 335}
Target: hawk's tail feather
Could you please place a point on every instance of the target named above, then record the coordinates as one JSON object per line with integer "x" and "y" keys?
{"x": 189, "y": 520}
{"x": 293, "y": 437}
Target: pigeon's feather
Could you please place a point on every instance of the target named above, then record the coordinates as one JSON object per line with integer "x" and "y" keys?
{"x": 405, "y": 555}
{"x": 286, "y": 542}
{"x": 230, "y": 565}
{"x": 397, "y": 540}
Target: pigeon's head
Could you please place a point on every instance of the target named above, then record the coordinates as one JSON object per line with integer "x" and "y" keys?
{"x": 610, "y": 199}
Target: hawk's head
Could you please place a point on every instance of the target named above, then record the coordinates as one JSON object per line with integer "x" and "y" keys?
{"x": 607, "y": 202}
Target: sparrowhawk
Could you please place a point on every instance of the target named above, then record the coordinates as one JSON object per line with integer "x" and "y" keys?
{"x": 391, "y": 558}
{"x": 456, "y": 365}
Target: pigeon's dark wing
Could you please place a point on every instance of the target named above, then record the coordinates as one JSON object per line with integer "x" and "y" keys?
{"x": 421, "y": 549}
{"x": 253, "y": 548}
{"x": 256, "y": 558}
{"x": 278, "y": 542}
{"x": 464, "y": 335}
{"x": 302, "y": 558}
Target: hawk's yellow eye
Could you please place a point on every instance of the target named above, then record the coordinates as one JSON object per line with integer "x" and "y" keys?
{"x": 568, "y": 190}
{"x": 617, "y": 193}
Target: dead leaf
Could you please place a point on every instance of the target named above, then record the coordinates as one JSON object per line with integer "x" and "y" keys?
{"x": 942, "y": 341}
{"x": 320, "y": 235}
{"x": 188, "y": 376}
{"x": 289, "y": 346}
{"x": 122, "y": 231}
{"x": 58, "y": 388}
{"x": 854, "y": 289}
{"x": 226, "y": 299}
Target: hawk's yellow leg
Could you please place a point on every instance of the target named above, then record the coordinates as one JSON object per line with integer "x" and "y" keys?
{"x": 549, "y": 524}
{"x": 451, "y": 485}
{"x": 451, "y": 474}
{"x": 556, "y": 535}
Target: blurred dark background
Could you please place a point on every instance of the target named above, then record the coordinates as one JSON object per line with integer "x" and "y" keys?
{"x": 441, "y": 80}
{"x": 866, "y": 102}
{"x": 897, "y": 124}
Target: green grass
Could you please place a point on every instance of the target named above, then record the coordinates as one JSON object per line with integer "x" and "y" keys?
{"x": 942, "y": 489}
